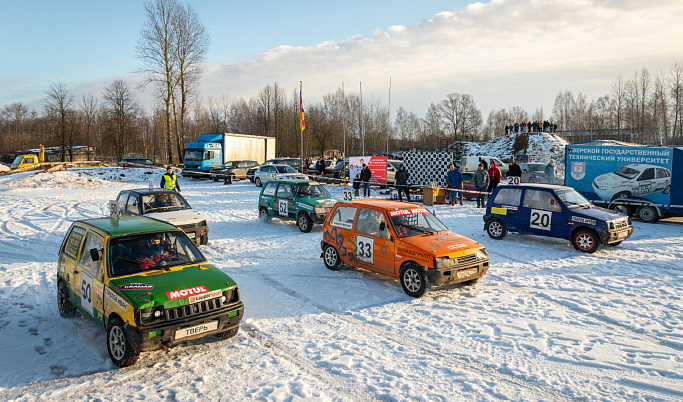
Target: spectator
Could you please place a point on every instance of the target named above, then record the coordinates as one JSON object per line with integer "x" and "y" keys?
{"x": 480, "y": 179}
{"x": 356, "y": 185}
{"x": 516, "y": 128}
{"x": 402, "y": 182}
{"x": 454, "y": 180}
{"x": 169, "y": 181}
{"x": 550, "y": 172}
{"x": 483, "y": 162}
{"x": 506, "y": 129}
{"x": 365, "y": 176}
{"x": 321, "y": 167}
{"x": 494, "y": 176}
{"x": 524, "y": 127}
{"x": 515, "y": 170}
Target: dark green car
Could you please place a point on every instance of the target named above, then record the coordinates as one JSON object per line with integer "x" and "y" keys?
{"x": 146, "y": 283}
{"x": 305, "y": 201}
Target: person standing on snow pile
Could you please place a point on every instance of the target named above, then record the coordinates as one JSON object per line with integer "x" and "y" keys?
{"x": 402, "y": 183}
{"x": 480, "y": 179}
{"x": 454, "y": 180}
{"x": 169, "y": 181}
{"x": 365, "y": 176}
{"x": 550, "y": 172}
{"x": 494, "y": 176}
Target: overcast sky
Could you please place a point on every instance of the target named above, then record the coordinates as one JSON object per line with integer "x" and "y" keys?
{"x": 504, "y": 53}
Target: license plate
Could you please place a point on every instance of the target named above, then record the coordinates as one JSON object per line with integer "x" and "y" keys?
{"x": 196, "y": 330}
{"x": 191, "y": 235}
{"x": 466, "y": 272}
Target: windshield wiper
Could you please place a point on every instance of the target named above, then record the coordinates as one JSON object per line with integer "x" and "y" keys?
{"x": 419, "y": 229}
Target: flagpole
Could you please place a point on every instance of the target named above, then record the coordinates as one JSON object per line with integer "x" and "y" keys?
{"x": 362, "y": 133}
{"x": 389, "y": 118}
{"x": 301, "y": 111}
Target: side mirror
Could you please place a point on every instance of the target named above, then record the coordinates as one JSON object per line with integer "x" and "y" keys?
{"x": 382, "y": 226}
{"x": 94, "y": 254}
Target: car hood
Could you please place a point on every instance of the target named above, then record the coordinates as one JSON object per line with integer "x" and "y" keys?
{"x": 443, "y": 244}
{"x": 596, "y": 213}
{"x": 316, "y": 201}
{"x": 172, "y": 288}
{"x": 609, "y": 180}
{"x": 182, "y": 217}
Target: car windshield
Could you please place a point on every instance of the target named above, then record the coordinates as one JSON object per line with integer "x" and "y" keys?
{"x": 310, "y": 190}
{"x": 229, "y": 165}
{"x": 163, "y": 202}
{"x": 271, "y": 162}
{"x": 18, "y": 159}
{"x": 415, "y": 221}
{"x": 133, "y": 254}
{"x": 572, "y": 199}
{"x": 194, "y": 156}
{"x": 627, "y": 172}
{"x": 285, "y": 169}
{"x": 396, "y": 165}
{"x": 537, "y": 167}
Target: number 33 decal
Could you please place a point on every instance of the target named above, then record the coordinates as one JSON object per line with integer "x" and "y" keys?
{"x": 365, "y": 247}
{"x": 540, "y": 219}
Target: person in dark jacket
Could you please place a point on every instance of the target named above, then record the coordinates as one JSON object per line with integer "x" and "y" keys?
{"x": 356, "y": 185}
{"x": 454, "y": 180}
{"x": 480, "y": 179}
{"x": 483, "y": 162}
{"x": 365, "y": 176}
{"x": 402, "y": 183}
{"x": 515, "y": 170}
{"x": 321, "y": 167}
{"x": 169, "y": 181}
{"x": 494, "y": 176}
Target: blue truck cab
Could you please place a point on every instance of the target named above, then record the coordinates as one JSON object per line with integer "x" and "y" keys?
{"x": 203, "y": 154}
{"x": 554, "y": 211}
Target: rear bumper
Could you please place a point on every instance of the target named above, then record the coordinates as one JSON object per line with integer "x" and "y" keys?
{"x": 153, "y": 337}
{"x": 467, "y": 272}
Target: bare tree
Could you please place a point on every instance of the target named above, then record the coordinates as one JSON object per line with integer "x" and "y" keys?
{"x": 60, "y": 114}
{"x": 676, "y": 91}
{"x": 460, "y": 115}
{"x": 619, "y": 94}
{"x": 88, "y": 106}
{"x": 121, "y": 107}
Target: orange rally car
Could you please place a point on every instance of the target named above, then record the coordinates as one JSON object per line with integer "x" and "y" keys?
{"x": 403, "y": 241}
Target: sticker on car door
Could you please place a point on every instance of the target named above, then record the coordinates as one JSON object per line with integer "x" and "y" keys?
{"x": 365, "y": 249}
{"x": 283, "y": 209}
{"x": 540, "y": 219}
{"x": 86, "y": 293}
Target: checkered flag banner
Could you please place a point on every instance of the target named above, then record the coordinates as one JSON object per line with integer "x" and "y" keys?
{"x": 427, "y": 167}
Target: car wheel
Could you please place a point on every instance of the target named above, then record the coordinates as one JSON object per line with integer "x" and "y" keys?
{"x": 118, "y": 346}
{"x": 667, "y": 189}
{"x": 615, "y": 243}
{"x": 331, "y": 257}
{"x": 257, "y": 181}
{"x": 413, "y": 279}
{"x": 263, "y": 214}
{"x": 621, "y": 195}
{"x": 305, "y": 223}
{"x": 647, "y": 214}
{"x": 621, "y": 209}
{"x": 586, "y": 240}
{"x": 66, "y": 308}
{"x": 228, "y": 334}
{"x": 496, "y": 228}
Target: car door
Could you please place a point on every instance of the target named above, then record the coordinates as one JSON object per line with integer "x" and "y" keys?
{"x": 374, "y": 246}
{"x": 505, "y": 206}
{"x": 284, "y": 201}
{"x": 268, "y": 197}
{"x": 542, "y": 214}
{"x": 645, "y": 183}
{"x": 341, "y": 234}
{"x": 663, "y": 180}
{"x": 89, "y": 275}
{"x": 70, "y": 250}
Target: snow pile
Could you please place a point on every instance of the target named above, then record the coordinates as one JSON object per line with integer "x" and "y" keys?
{"x": 87, "y": 178}
{"x": 540, "y": 147}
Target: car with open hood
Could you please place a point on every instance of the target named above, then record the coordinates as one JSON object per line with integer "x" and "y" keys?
{"x": 553, "y": 211}
{"x": 400, "y": 240}
{"x": 166, "y": 205}
{"x": 305, "y": 201}
{"x": 145, "y": 283}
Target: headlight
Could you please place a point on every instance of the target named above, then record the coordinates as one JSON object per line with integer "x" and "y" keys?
{"x": 445, "y": 262}
{"x": 148, "y": 315}
{"x": 202, "y": 223}
{"x": 320, "y": 210}
{"x": 610, "y": 224}
{"x": 482, "y": 254}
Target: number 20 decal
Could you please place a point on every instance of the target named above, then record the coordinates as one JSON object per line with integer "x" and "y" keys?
{"x": 540, "y": 219}
{"x": 365, "y": 247}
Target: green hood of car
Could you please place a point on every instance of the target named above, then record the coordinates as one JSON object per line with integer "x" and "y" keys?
{"x": 172, "y": 288}
{"x": 317, "y": 201}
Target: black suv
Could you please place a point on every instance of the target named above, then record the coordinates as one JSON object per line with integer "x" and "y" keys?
{"x": 138, "y": 162}
{"x": 296, "y": 163}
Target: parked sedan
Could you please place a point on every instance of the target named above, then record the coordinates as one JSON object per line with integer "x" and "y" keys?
{"x": 266, "y": 173}
{"x": 138, "y": 162}
{"x": 533, "y": 172}
{"x": 236, "y": 169}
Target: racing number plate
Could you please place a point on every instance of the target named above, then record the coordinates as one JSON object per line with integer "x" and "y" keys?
{"x": 466, "y": 273}
{"x": 196, "y": 330}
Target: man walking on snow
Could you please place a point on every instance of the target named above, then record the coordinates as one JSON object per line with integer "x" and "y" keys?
{"x": 169, "y": 181}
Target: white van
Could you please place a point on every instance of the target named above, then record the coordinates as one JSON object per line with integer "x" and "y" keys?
{"x": 470, "y": 163}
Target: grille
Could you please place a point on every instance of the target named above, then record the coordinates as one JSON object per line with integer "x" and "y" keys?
{"x": 467, "y": 259}
{"x": 202, "y": 307}
{"x": 621, "y": 224}
{"x": 187, "y": 228}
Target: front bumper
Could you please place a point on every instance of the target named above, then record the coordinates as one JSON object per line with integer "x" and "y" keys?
{"x": 198, "y": 234}
{"x": 614, "y": 236}
{"x": 157, "y": 336}
{"x": 459, "y": 273}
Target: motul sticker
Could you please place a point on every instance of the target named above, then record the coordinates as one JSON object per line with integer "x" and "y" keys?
{"x": 135, "y": 286}
{"x": 206, "y": 296}
{"x": 177, "y": 294}
{"x": 410, "y": 211}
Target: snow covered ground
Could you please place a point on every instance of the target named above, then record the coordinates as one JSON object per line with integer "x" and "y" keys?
{"x": 546, "y": 323}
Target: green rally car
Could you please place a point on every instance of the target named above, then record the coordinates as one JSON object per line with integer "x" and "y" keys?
{"x": 305, "y": 201}
{"x": 146, "y": 283}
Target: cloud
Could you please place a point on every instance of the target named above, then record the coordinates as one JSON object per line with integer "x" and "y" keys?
{"x": 504, "y": 53}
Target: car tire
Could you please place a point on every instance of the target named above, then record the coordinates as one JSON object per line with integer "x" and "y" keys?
{"x": 257, "y": 181}
{"x": 118, "y": 346}
{"x": 304, "y": 222}
{"x": 647, "y": 214}
{"x": 413, "y": 279}
{"x": 667, "y": 189}
{"x": 496, "y": 228}
{"x": 204, "y": 240}
{"x": 263, "y": 214}
{"x": 228, "y": 334}
{"x": 621, "y": 195}
{"x": 586, "y": 240}
{"x": 66, "y": 308}
{"x": 621, "y": 209}
{"x": 331, "y": 257}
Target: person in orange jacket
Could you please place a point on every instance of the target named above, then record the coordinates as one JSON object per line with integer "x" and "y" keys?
{"x": 494, "y": 176}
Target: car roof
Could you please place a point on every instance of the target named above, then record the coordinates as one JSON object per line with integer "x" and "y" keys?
{"x": 383, "y": 204}
{"x": 534, "y": 186}
{"x": 146, "y": 191}
{"x": 294, "y": 181}
{"x": 127, "y": 225}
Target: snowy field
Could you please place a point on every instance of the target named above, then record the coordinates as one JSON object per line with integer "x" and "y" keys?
{"x": 547, "y": 323}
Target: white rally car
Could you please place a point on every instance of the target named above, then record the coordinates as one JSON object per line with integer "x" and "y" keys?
{"x": 632, "y": 180}
{"x": 266, "y": 173}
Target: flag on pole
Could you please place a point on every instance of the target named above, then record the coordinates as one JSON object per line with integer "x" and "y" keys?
{"x": 301, "y": 104}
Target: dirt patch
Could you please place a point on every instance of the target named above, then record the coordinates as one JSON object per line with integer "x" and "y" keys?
{"x": 520, "y": 144}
